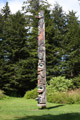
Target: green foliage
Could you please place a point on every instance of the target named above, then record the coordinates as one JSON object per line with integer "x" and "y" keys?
{"x": 58, "y": 91}
{"x": 71, "y": 100}
{"x": 57, "y": 97}
{"x": 18, "y": 47}
{"x": 6, "y": 11}
{"x": 76, "y": 81}
{"x": 54, "y": 37}
{"x": 70, "y": 97}
{"x": 71, "y": 63}
{"x": 59, "y": 84}
{"x": 14, "y": 60}
{"x": 2, "y": 95}
{"x": 32, "y": 94}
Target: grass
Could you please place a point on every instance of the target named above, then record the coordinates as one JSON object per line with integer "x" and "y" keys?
{"x": 25, "y": 109}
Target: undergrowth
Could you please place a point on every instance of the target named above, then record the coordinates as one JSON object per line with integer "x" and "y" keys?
{"x": 68, "y": 97}
{"x": 2, "y": 95}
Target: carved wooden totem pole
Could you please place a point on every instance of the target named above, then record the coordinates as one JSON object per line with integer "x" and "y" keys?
{"x": 41, "y": 62}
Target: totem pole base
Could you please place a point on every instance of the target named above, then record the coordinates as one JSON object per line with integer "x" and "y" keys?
{"x": 43, "y": 106}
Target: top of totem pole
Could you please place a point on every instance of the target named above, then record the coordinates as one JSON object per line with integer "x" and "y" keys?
{"x": 41, "y": 14}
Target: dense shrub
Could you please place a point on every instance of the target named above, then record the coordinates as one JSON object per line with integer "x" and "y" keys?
{"x": 58, "y": 91}
{"x": 59, "y": 84}
{"x": 76, "y": 82}
{"x": 69, "y": 97}
{"x": 57, "y": 97}
{"x": 2, "y": 95}
{"x": 32, "y": 94}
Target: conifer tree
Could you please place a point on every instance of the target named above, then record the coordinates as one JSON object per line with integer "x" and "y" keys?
{"x": 14, "y": 67}
{"x": 16, "y": 53}
{"x": 55, "y": 39}
{"x": 1, "y": 50}
{"x": 72, "y": 46}
{"x": 5, "y": 12}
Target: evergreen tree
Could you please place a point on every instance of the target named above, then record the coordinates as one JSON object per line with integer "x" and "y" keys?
{"x": 5, "y": 12}
{"x": 56, "y": 36}
{"x": 71, "y": 46}
{"x": 15, "y": 53}
{"x": 14, "y": 66}
{"x": 1, "y": 50}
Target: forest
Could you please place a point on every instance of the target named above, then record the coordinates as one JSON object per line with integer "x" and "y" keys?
{"x": 18, "y": 46}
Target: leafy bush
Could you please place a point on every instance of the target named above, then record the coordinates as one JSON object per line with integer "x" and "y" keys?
{"x": 2, "y": 95}
{"x": 74, "y": 96}
{"x": 69, "y": 97}
{"x": 76, "y": 82}
{"x": 57, "y": 97}
{"x": 32, "y": 94}
{"x": 60, "y": 84}
{"x": 58, "y": 91}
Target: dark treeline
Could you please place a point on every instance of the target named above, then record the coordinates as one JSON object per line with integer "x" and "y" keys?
{"x": 18, "y": 46}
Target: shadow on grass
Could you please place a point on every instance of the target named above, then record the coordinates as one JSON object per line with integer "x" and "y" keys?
{"x": 52, "y": 107}
{"x": 69, "y": 116}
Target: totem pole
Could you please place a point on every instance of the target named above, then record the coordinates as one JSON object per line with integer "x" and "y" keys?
{"x": 41, "y": 62}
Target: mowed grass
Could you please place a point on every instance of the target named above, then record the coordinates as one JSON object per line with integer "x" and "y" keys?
{"x": 26, "y": 109}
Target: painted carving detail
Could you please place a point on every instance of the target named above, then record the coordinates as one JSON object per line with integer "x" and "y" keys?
{"x": 41, "y": 62}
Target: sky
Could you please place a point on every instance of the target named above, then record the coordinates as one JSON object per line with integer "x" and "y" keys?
{"x": 67, "y": 5}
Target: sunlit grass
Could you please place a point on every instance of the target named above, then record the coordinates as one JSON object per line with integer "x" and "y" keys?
{"x": 23, "y": 109}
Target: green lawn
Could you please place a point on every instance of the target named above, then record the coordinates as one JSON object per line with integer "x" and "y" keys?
{"x": 22, "y": 109}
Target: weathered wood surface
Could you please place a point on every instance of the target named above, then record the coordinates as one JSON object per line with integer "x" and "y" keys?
{"x": 41, "y": 62}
